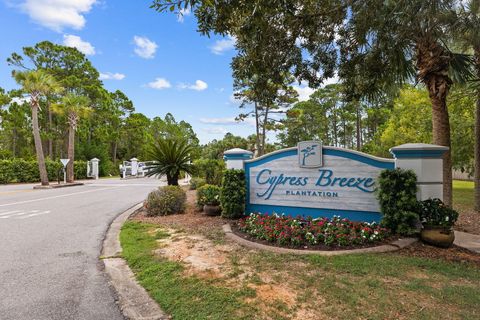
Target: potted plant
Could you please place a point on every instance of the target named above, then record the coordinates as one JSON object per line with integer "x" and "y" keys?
{"x": 437, "y": 222}
{"x": 210, "y": 199}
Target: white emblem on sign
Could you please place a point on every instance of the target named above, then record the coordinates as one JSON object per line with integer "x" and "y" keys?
{"x": 310, "y": 154}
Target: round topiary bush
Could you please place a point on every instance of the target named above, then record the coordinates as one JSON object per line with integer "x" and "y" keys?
{"x": 196, "y": 183}
{"x": 166, "y": 200}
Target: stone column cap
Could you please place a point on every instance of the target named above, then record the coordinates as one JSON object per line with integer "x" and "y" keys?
{"x": 95, "y": 159}
{"x": 134, "y": 159}
{"x": 418, "y": 150}
{"x": 237, "y": 153}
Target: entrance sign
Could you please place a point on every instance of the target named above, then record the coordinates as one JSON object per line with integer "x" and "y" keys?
{"x": 323, "y": 181}
{"x": 313, "y": 180}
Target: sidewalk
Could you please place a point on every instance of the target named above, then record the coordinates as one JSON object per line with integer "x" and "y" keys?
{"x": 468, "y": 241}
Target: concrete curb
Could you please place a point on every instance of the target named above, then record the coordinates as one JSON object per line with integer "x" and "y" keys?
{"x": 394, "y": 246}
{"x": 134, "y": 301}
{"x": 57, "y": 186}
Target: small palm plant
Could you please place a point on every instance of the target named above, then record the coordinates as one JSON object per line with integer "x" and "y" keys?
{"x": 170, "y": 158}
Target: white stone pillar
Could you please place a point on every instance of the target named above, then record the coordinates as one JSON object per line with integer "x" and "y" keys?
{"x": 427, "y": 163}
{"x": 95, "y": 170}
{"x": 134, "y": 162}
{"x": 234, "y": 158}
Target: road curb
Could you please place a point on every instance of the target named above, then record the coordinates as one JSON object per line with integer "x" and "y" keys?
{"x": 394, "y": 246}
{"x": 134, "y": 301}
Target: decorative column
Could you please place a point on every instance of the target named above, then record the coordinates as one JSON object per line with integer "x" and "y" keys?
{"x": 234, "y": 158}
{"x": 426, "y": 160}
{"x": 134, "y": 162}
{"x": 95, "y": 170}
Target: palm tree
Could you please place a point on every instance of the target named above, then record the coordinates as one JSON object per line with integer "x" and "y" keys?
{"x": 74, "y": 107}
{"x": 170, "y": 158}
{"x": 396, "y": 42}
{"x": 468, "y": 34}
{"x": 36, "y": 84}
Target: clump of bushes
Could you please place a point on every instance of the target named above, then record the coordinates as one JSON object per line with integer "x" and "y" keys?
{"x": 233, "y": 194}
{"x": 208, "y": 194}
{"x": 196, "y": 183}
{"x": 209, "y": 169}
{"x": 434, "y": 213}
{"x": 165, "y": 200}
{"x": 398, "y": 200}
{"x": 20, "y": 170}
{"x": 288, "y": 231}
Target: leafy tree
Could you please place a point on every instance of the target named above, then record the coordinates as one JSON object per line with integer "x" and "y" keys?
{"x": 74, "y": 107}
{"x": 170, "y": 158}
{"x": 37, "y": 84}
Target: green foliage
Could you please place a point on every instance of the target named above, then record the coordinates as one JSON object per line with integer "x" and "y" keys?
{"x": 208, "y": 194}
{"x": 398, "y": 202}
{"x": 170, "y": 157}
{"x": 434, "y": 213}
{"x": 166, "y": 200}
{"x": 233, "y": 195}
{"x": 196, "y": 183}
{"x": 209, "y": 169}
{"x": 19, "y": 170}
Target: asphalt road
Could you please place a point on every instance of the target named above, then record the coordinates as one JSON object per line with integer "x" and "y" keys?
{"x": 50, "y": 242}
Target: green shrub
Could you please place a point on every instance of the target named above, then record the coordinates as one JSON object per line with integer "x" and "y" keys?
{"x": 196, "y": 183}
{"x": 434, "y": 213}
{"x": 166, "y": 200}
{"x": 208, "y": 194}
{"x": 398, "y": 201}
{"x": 209, "y": 169}
{"x": 232, "y": 197}
{"x": 20, "y": 170}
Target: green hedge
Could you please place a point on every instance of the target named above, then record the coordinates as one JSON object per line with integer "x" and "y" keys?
{"x": 209, "y": 169}
{"x": 233, "y": 194}
{"x": 19, "y": 170}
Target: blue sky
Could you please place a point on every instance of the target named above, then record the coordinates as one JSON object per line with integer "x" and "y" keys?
{"x": 158, "y": 60}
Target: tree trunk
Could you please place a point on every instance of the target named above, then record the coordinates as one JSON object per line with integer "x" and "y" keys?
{"x": 114, "y": 152}
{"x": 257, "y": 130}
{"x": 172, "y": 180}
{"x": 359, "y": 128}
{"x": 50, "y": 125}
{"x": 433, "y": 62}
{"x": 476, "y": 178}
{"x": 71, "y": 154}
{"x": 38, "y": 145}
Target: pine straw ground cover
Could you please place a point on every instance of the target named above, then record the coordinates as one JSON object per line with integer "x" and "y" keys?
{"x": 194, "y": 272}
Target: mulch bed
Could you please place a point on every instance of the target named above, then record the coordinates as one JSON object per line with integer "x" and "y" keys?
{"x": 319, "y": 247}
{"x": 452, "y": 254}
{"x": 468, "y": 220}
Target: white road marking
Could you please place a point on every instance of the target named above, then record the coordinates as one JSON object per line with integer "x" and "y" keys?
{"x": 23, "y": 214}
{"x": 8, "y": 212}
{"x": 52, "y": 197}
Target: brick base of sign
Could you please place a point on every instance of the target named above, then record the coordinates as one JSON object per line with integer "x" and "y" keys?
{"x": 394, "y": 246}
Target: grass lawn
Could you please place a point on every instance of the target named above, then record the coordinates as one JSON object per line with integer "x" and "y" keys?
{"x": 463, "y": 193}
{"x": 262, "y": 285}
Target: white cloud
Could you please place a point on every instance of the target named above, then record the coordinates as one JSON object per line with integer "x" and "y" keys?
{"x": 58, "y": 14}
{"x": 159, "y": 84}
{"x": 182, "y": 14}
{"x": 112, "y": 76}
{"x": 223, "y": 45}
{"x": 219, "y": 121}
{"x": 215, "y": 130}
{"x": 21, "y": 100}
{"x": 304, "y": 91}
{"x": 198, "y": 86}
{"x": 144, "y": 47}
{"x": 77, "y": 42}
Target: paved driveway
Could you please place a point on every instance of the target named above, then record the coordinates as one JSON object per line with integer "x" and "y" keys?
{"x": 50, "y": 241}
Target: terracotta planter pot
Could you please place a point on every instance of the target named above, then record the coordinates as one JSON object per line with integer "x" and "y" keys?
{"x": 212, "y": 210}
{"x": 438, "y": 236}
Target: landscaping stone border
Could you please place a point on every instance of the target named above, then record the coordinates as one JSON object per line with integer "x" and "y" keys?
{"x": 394, "y": 246}
{"x": 134, "y": 301}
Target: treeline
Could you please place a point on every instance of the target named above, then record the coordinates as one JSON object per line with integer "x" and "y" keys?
{"x": 70, "y": 94}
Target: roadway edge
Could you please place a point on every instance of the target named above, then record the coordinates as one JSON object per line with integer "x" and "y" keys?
{"x": 134, "y": 301}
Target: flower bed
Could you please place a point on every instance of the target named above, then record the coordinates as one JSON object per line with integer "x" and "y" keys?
{"x": 297, "y": 232}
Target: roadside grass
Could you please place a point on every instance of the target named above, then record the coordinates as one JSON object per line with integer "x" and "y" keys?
{"x": 374, "y": 286}
{"x": 463, "y": 193}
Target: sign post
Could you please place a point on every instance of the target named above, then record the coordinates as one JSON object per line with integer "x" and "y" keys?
{"x": 64, "y": 162}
